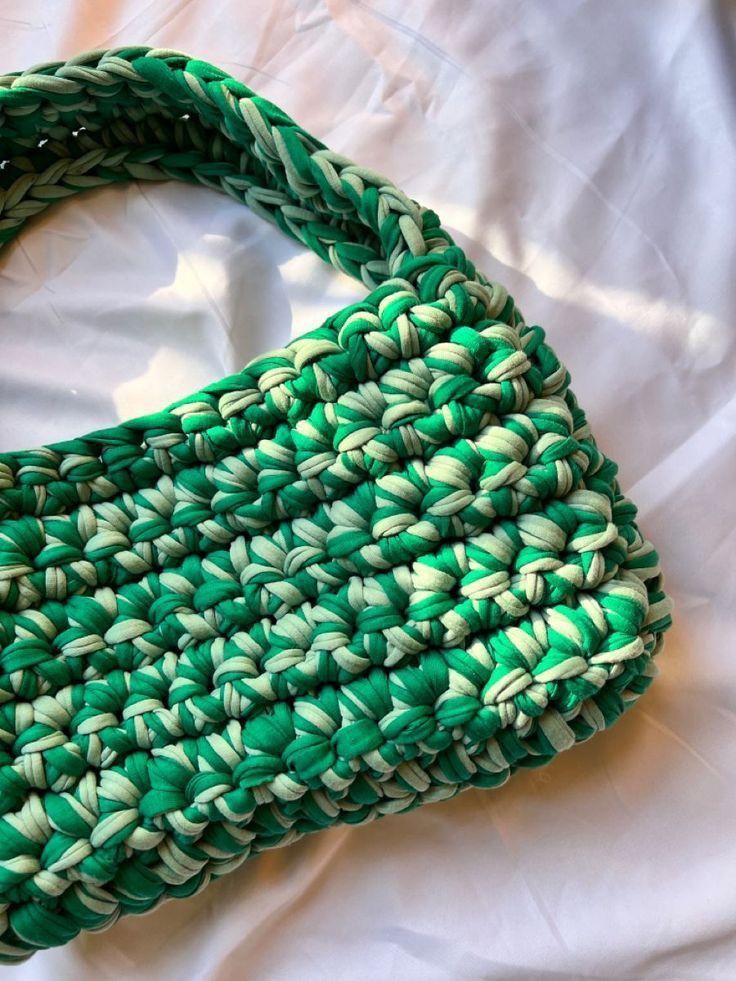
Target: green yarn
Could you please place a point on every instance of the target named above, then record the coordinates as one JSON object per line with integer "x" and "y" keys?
{"x": 371, "y": 569}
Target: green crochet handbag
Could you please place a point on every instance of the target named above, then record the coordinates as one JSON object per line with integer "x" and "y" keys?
{"x": 373, "y": 568}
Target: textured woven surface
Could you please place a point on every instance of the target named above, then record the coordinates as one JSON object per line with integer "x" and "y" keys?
{"x": 373, "y": 568}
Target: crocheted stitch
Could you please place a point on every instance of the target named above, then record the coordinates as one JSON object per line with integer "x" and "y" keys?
{"x": 378, "y": 566}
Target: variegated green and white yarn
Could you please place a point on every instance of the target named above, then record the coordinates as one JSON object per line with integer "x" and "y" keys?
{"x": 375, "y": 567}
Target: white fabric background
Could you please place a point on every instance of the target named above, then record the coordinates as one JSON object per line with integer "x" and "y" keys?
{"x": 584, "y": 153}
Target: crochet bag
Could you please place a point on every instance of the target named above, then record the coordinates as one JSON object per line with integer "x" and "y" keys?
{"x": 373, "y": 568}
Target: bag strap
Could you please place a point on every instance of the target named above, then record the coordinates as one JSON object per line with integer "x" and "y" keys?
{"x": 142, "y": 113}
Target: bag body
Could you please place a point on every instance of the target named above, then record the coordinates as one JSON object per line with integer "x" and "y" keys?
{"x": 378, "y": 566}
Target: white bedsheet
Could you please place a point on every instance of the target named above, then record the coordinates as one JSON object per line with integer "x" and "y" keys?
{"x": 584, "y": 153}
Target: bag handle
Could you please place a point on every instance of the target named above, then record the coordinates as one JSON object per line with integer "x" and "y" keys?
{"x": 144, "y": 113}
